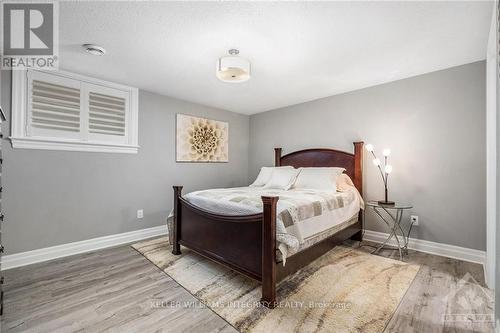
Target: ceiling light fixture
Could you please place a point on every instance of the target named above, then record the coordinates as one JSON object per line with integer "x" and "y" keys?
{"x": 233, "y": 68}
{"x": 94, "y": 49}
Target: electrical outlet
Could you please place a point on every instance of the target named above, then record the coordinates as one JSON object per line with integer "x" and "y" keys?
{"x": 414, "y": 220}
{"x": 140, "y": 214}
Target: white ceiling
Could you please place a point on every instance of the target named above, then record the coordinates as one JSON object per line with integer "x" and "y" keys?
{"x": 299, "y": 51}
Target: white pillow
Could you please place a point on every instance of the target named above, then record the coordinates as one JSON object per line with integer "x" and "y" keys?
{"x": 265, "y": 174}
{"x": 282, "y": 178}
{"x": 318, "y": 178}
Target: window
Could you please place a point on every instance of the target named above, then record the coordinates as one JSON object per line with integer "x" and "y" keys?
{"x": 65, "y": 111}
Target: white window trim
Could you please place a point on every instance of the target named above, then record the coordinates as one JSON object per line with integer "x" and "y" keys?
{"x": 19, "y": 138}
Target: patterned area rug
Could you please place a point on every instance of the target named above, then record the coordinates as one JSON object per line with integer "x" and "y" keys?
{"x": 345, "y": 290}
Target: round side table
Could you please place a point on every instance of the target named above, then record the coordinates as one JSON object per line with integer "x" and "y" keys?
{"x": 393, "y": 222}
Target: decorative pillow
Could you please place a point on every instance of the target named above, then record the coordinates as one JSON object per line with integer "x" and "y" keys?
{"x": 318, "y": 178}
{"x": 265, "y": 175}
{"x": 282, "y": 178}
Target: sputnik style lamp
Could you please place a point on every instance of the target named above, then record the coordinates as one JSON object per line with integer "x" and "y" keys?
{"x": 387, "y": 170}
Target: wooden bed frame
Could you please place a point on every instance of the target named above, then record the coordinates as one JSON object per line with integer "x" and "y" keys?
{"x": 247, "y": 244}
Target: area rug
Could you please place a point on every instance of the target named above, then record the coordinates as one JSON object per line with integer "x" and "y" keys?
{"x": 345, "y": 290}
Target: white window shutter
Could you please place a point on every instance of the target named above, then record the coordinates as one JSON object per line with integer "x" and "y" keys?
{"x": 108, "y": 113}
{"x": 54, "y": 106}
{"x": 65, "y": 111}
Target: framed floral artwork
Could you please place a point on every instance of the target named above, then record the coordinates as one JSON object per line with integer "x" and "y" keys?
{"x": 201, "y": 139}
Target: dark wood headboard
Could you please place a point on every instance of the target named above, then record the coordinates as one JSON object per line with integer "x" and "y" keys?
{"x": 324, "y": 157}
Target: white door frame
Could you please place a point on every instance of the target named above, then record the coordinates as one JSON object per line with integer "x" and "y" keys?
{"x": 491, "y": 152}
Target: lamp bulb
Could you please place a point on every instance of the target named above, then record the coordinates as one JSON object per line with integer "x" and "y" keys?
{"x": 369, "y": 147}
{"x": 376, "y": 161}
{"x": 388, "y": 168}
{"x": 386, "y": 152}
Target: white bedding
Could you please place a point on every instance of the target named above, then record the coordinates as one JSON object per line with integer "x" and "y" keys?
{"x": 301, "y": 214}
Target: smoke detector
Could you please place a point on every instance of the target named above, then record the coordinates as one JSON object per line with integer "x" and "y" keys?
{"x": 94, "y": 49}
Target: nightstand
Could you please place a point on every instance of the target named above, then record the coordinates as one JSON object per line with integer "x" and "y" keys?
{"x": 392, "y": 215}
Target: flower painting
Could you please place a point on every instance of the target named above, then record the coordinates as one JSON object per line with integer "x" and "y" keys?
{"x": 201, "y": 140}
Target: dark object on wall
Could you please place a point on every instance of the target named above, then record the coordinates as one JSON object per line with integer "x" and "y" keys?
{"x": 2, "y": 114}
{"x": 247, "y": 243}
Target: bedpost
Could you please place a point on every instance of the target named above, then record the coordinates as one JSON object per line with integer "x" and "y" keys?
{"x": 269, "y": 252}
{"x": 358, "y": 182}
{"x": 277, "y": 157}
{"x": 358, "y": 166}
{"x": 176, "y": 227}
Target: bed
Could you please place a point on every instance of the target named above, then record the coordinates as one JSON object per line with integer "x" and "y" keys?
{"x": 251, "y": 241}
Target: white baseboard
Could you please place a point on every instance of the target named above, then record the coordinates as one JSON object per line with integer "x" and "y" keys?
{"x": 64, "y": 250}
{"x": 444, "y": 250}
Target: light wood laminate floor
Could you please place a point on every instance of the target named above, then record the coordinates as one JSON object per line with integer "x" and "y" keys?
{"x": 115, "y": 290}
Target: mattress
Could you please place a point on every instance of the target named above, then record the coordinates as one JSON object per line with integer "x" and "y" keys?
{"x": 318, "y": 237}
{"x": 302, "y": 215}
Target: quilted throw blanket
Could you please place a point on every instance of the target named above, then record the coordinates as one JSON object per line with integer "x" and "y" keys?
{"x": 295, "y": 208}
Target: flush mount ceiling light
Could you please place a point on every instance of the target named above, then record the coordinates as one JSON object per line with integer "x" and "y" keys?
{"x": 94, "y": 49}
{"x": 233, "y": 68}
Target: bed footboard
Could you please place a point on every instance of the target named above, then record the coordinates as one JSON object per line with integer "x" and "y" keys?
{"x": 246, "y": 244}
{"x": 269, "y": 252}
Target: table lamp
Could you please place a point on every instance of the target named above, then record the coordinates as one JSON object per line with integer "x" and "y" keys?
{"x": 385, "y": 174}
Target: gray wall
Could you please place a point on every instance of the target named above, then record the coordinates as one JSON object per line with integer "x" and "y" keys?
{"x": 56, "y": 197}
{"x": 497, "y": 230}
{"x": 434, "y": 123}
{"x": 435, "y": 126}
{"x": 497, "y": 134}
